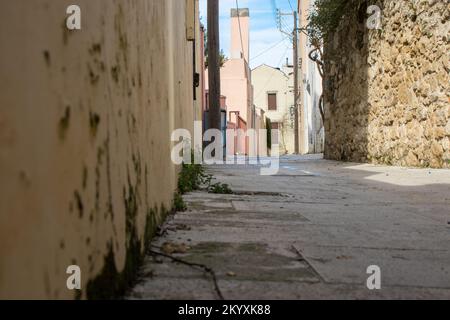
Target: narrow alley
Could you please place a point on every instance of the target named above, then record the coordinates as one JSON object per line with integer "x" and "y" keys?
{"x": 309, "y": 232}
{"x": 116, "y": 119}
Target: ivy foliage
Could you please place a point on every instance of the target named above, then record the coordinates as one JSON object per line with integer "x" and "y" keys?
{"x": 326, "y": 16}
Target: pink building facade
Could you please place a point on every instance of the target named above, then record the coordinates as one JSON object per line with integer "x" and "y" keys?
{"x": 235, "y": 75}
{"x": 236, "y": 85}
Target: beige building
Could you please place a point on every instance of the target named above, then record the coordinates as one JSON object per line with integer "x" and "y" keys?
{"x": 273, "y": 89}
{"x": 85, "y": 124}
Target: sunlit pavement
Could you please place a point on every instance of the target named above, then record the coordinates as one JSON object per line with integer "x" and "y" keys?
{"x": 309, "y": 232}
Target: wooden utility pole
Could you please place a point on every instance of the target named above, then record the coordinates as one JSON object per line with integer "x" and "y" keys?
{"x": 296, "y": 91}
{"x": 214, "y": 65}
{"x": 297, "y": 112}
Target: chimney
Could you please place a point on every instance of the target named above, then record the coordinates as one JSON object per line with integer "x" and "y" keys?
{"x": 240, "y": 25}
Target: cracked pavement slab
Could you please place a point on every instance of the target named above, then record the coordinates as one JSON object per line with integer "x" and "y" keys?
{"x": 309, "y": 232}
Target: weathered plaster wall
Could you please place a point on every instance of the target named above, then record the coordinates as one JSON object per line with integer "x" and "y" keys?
{"x": 387, "y": 92}
{"x": 85, "y": 123}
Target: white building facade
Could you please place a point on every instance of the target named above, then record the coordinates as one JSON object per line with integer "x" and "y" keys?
{"x": 312, "y": 131}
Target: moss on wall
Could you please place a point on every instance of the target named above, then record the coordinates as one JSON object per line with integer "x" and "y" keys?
{"x": 85, "y": 140}
{"x": 111, "y": 283}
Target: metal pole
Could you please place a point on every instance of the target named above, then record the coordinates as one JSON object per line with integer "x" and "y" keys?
{"x": 296, "y": 90}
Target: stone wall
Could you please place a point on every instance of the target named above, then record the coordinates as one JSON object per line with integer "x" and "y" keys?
{"x": 85, "y": 123}
{"x": 387, "y": 91}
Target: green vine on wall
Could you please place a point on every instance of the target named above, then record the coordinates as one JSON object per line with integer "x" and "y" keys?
{"x": 326, "y": 16}
{"x": 323, "y": 20}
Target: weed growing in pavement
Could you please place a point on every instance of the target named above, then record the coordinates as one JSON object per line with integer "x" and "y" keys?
{"x": 193, "y": 177}
{"x": 220, "y": 188}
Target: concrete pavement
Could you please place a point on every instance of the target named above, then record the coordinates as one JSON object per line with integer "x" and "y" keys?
{"x": 309, "y": 232}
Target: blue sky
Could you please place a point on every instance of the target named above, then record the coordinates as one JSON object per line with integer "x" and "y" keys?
{"x": 263, "y": 29}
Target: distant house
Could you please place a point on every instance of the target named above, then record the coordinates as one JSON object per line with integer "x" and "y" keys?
{"x": 235, "y": 78}
{"x": 273, "y": 89}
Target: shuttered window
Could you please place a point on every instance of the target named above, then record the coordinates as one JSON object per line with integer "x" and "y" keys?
{"x": 272, "y": 101}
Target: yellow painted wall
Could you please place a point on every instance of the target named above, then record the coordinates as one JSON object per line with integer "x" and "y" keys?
{"x": 85, "y": 123}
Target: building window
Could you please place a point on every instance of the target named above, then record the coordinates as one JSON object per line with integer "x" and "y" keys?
{"x": 272, "y": 101}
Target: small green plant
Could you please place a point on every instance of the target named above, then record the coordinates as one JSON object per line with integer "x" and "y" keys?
{"x": 178, "y": 203}
{"x": 220, "y": 188}
{"x": 193, "y": 177}
{"x": 222, "y": 57}
{"x": 190, "y": 178}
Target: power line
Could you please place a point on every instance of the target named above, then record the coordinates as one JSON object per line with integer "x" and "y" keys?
{"x": 282, "y": 25}
{"x": 290, "y": 5}
{"x": 268, "y": 49}
{"x": 284, "y": 28}
{"x": 276, "y": 15}
{"x": 271, "y": 77}
{"x": 274, "y": 11}
{"x": 286, "y": 24}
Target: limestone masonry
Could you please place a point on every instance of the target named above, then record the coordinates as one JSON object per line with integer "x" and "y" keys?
{"x": 387, "y": 91}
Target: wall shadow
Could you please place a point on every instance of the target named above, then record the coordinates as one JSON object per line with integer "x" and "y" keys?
{"x": 346, "y": 89}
